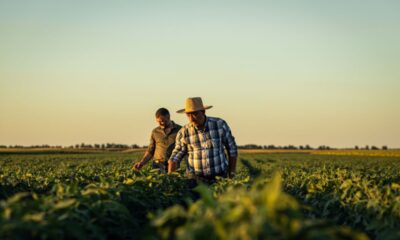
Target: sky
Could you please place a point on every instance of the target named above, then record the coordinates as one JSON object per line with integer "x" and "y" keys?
{"x": 279, "y": 72}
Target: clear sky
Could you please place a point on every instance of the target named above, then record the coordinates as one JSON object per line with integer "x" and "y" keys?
{"x": 279, "y": 72}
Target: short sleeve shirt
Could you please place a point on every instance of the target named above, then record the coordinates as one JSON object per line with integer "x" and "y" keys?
{"x": 162, "y": 142}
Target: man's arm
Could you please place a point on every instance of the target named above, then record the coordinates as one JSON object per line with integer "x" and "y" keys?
{"x": 178, "y": 153}
{"x": 146, "y": 158}
{"x": 231, "y": 148}
{"x": 232, "y": 166}
{"x": 171, "y": 166}
{"x": 147, "y": 155}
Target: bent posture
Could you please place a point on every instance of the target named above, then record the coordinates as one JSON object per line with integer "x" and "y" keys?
{"x": 162, "y": 142}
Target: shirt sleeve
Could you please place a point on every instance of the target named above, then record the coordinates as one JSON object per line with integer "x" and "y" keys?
{"x": 152, "y": 145}
{"x": 180, "y": 149}
{"x": 229, "y": 140}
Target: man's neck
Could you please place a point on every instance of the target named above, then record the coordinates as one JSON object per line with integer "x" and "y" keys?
{"x": 202, "y": 126}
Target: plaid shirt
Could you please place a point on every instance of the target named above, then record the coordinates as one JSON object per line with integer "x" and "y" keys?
{"x": 205, "y": 147}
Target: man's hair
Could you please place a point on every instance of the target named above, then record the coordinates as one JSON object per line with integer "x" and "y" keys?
{"x": 162, "y": 112}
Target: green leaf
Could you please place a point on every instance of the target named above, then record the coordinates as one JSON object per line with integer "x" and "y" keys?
{"x": 65, "y": 203}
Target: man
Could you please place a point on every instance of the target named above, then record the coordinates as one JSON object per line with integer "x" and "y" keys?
{"x": 204, "y": 139}
{"x": 162, "y": 142}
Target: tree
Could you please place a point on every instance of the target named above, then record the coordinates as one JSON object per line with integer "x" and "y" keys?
{"x": 323, "y": 147}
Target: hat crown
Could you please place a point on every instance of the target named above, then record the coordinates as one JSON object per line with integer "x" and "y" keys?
{"x": 194, "y": 104}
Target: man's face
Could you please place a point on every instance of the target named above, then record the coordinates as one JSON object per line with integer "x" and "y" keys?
{"x": 163, "y": 121}
{"x": 197, "y": 118}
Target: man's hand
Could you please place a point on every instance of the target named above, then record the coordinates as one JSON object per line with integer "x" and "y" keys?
{"x": 137, "y": 166}
{"x": 231, "y": 174}
{"x": 147, "y": 156}
{"x": 171, "y": 166}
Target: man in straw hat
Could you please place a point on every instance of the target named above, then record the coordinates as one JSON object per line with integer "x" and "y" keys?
{"x": 204, "y": 139}
{"x": 162, "y": 142}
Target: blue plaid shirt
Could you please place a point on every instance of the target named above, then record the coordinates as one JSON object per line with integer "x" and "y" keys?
{"x": 205, "y": 147}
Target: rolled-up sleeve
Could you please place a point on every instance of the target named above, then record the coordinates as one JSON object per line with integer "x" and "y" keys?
{"x": 229, "y": 140}
{"x": 180, "y": 149}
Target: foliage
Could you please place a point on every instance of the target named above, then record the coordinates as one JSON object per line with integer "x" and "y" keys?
{"x": 98, "y": 196}
{"x": 262, "y": 212}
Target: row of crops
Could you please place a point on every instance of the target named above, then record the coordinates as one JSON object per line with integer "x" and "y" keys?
{"x": 360, "y": 192}
{"x": 274, "y": 196}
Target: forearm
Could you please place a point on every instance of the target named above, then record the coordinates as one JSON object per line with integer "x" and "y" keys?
{"x": 171, "y": 166}
{"x": 232, "y": 166}
{"x": 231, "y": 150}
{"x": 178, "y": 153}
{"x": 146, "y": 158}
{"x": 175, "y": 159}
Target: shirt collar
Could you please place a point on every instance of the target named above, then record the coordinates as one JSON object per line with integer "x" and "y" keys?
{"x": 173, "y": 125}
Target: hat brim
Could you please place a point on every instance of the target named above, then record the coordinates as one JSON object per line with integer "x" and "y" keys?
{"x": 204, "y": 108}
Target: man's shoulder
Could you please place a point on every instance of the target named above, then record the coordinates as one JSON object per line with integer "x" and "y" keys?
{"x": 156, "y": 130}
{"x": 216, "y": 120}
{"x": 185, "y": 129}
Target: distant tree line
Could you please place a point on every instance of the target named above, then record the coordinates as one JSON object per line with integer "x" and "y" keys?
{"x": 80, "y": 146}
{"x": 271, "y": 146}
{"x": 367, "y": 147}
{"x": 247, "y": 146}
{"x": 306, "y": 147}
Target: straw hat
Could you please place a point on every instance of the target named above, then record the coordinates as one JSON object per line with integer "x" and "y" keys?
{"x": 193, "y": 104}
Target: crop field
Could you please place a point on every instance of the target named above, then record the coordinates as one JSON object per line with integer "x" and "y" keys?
{"x": 275, "y": 195}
